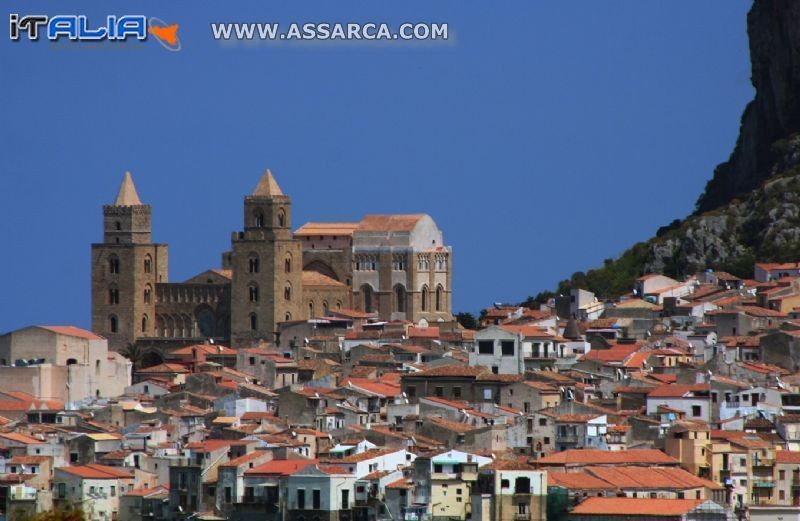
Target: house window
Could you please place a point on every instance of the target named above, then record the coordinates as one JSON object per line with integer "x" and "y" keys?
{"x": 411, "y": 391}
{"x": 439, "y": 392}
{"x": 252, "y": 360}
{"x": 301, "y": 498}
{"x": 485, "y": 347}
{"x": 504, "y": 483}
{"x": 456, "y": 392}
{"x": 316, "y": 500}
{"x": 495, "y": 369}
{"x": 696, "y": 410}
{"x": 507, "y": 347}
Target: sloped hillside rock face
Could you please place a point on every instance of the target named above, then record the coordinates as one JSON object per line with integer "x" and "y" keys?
{"x": 763, "y": 225}
{"x": 773, "y": 28}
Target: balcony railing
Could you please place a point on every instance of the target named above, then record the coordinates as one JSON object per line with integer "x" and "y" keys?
{"x": 522, "y": 517}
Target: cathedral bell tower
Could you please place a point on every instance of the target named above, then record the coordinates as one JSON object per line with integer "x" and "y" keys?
{"x": 125, "y": 269}
{"x": 267, "y": 266}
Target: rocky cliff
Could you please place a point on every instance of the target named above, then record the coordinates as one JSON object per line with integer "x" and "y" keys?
{"x": 773, "y": 27}
{"x": 750, "y": 209}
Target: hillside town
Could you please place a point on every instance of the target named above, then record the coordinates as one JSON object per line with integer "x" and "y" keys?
{"x": 321, "y": 374}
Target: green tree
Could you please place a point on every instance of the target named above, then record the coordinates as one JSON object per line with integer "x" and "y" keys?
{"x": 135, "y": 354}
{"x": 467, "y": 320}
{"x": 70, "y": 513}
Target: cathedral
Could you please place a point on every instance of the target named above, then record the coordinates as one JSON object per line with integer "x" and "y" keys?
{"x": 396, "y": 266}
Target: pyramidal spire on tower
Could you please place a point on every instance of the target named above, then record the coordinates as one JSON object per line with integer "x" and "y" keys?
{"x": 127, "y": 195}
{"x": 267, "y": 186}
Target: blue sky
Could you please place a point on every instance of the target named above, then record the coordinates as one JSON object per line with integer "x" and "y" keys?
{"x": 542, "y": 138}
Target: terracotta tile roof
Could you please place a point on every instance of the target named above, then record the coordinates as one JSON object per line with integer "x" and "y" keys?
{"x": 528, "y": 331}
{"x": 450, "y": 370}
{"x": 487, "y": 376}
{"x": 361, "y": 456}
{"x": 617, "y": 506}
{"x": 323, "y": 229}
{"x": 576, "y": 481}
{"x": 72, "y": 331}
{"x": 541, "y": 386}
{"x": 208, "y": 349}
{"x": 677, "y": 390}
{"x": 787, "y": 456}
{"x": 508, "y": 464}
{"x": 215, "y": 445}
{"x": 423, "y": 332}
{"x": 452, "y": 425}
{"x": 95, "y": 471}
{"x": 164, "y": 368}
{"x": 604, "y": 457}
{"x": 19, "y": 438}
{"x": 400, "y": 483}
{"x": 147, "y": 492}
{"x": 617, "y": 353}
{"x": 389, "y": 223}
{"x": 385, "y": 389}
{"x": 644, "y": 478}
{"x": 315, "y": 278}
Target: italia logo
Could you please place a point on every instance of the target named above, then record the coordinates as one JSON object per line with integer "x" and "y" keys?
{"x": 78, "y": 28}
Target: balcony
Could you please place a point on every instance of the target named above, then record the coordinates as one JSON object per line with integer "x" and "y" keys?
{"x": 764, "y": 462}
{"x": 522, "y": 517}
{"x": 763, "y": 483}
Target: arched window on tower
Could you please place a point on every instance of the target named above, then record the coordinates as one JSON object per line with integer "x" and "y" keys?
{"x": 310, "y": 310}
{"x": 253, "y": 322}
{"x": 148, "y": 263}
{"x": 424, "y": 297}
{"x": 287, "y": 317}
{"x": 259, "y": 220}
{"x": 113, "y": 264}
{"x": 148, "y": 294}
{"x": 367, "y": 297}
{"x": 113, "y": 294}
{"x": 252, "y": 263}
{"x": 287, "y": 292}
{"x": 439, "y": 297}
{"x": 144, "y": 323}
{"x": 113, "y": 324}
{"x": 281, "y": 218}
{"x": 253, "y": 292}
{"x": 399, "y": 299}
{"x": 287, "y": 264}
{"x": 325, "y": 308}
